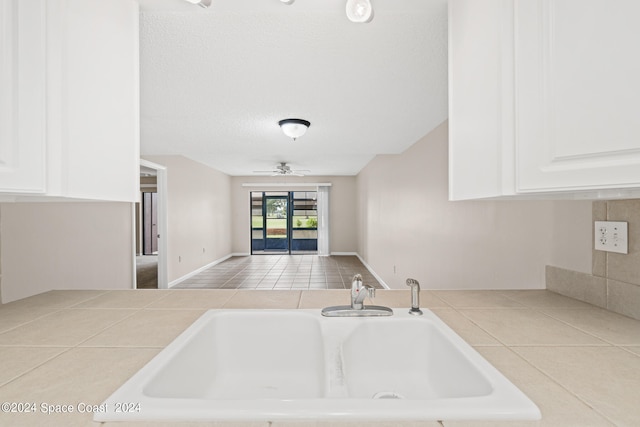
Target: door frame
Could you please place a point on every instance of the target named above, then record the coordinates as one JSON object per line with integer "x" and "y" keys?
{"x": 163, "y": 226}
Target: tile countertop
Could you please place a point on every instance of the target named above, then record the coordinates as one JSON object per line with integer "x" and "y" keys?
{"x": 579, "y": 363}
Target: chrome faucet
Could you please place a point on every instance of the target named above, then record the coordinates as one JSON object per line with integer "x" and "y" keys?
{"x": 359, "y": 292}
{"x": 415, "y": 297}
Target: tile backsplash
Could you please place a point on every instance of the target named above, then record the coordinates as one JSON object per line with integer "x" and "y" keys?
{"x": 615, "y": 280}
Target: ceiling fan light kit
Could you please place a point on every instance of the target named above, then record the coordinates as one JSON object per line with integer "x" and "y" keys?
{"x": 294, "y": 128}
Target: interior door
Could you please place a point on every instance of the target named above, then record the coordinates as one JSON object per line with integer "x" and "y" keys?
{"x": 276, "y": 223}
{"x": 150, "y": 223}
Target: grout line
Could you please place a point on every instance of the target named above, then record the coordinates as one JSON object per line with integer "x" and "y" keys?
{"x": 66, "y": 350}
{"x": 135, "y": 311}
{"x": 90, "y": 298}
{"x": 66, "y": 347}
{"x": 480, "y": 327}
{"x": 626, "y": 348}
{"x": 299, "y": 300}
{"x": 511, "y": 348}
{"x": 562, "y": 386}
{"x": 33, "y": 320}
{"x": 594, "y": 334}
{"x": 577, "y": 327}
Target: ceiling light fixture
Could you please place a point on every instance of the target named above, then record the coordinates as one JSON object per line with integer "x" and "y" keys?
{"x": 201, "y": 3}
{"x": 359, "y": 11}
{"x": 287, "y": 1}
{"x": 294, "y": 128}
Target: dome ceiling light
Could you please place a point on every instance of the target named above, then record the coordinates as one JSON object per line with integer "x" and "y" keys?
{"x": 294, "y": 128}
{"x": 359, "y": 11}
{"x": 201, "y": 3}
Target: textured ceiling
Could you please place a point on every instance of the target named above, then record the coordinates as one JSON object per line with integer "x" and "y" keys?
{"x": 215, "y": 82}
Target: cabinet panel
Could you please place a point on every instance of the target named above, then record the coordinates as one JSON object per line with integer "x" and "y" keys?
{"x": 99, "y": 100}
{"x": 22, "y": 100}
{"x": 69, "y": 103}
{"x": 480, "y": 99}
{"x": 577, "y": 92}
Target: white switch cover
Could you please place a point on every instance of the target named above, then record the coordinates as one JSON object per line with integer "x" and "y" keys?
{"x": 611, "y": 236}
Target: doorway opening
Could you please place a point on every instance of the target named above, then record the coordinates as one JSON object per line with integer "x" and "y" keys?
{"x": 284, "y": 222}
{"x": 151, "y": 228}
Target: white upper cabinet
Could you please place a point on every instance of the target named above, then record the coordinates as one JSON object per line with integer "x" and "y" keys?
{"x": 69, "y": 123}
{"x": 22, "y": 96}
{"x": 544, "y": 98}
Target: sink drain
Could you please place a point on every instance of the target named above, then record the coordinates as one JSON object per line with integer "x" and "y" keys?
{"x": 387, "y": 395}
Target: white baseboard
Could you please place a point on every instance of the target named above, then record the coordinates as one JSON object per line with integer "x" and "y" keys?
{"x": 240, "y": 254}
{"x": 344, "y": 254}
{"x": 199, "y": 270}
{"x": 373, "y": 273}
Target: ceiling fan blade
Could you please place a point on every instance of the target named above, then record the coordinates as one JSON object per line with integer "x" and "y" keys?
{"x": 284, "y": 170}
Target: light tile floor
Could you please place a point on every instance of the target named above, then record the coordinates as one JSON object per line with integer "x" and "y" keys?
{"x": 281, "y": 272}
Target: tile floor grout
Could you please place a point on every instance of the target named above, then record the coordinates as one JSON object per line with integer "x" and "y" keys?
{"x": 260, "y": 271}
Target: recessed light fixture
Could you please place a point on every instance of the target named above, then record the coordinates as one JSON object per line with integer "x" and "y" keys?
{"x": 201, "y": 3}
{"x": 359, "y": 11}
{"x": 294, "y": 128}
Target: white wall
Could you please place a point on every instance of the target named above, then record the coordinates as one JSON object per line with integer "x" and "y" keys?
{"x": 394, "y": 213}
{"x": 342, "y": 208}
{"x": 199, "y": 215}
{"x": 49, "y": 246}
{"x": 405, "y": 220}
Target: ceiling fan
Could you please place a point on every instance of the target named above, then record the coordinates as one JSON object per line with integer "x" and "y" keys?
{"x": 284, "y": 169}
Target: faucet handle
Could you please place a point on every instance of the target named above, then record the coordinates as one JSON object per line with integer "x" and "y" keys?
{"x": 357, "y": 278}
{"x": 371, "y": 291}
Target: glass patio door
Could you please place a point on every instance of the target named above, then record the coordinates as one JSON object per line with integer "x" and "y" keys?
{"x": 284, "y": 221}
{"x": 276, "y": 214}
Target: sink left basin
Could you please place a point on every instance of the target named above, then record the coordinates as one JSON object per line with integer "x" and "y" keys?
{"x": 265, "y": 355}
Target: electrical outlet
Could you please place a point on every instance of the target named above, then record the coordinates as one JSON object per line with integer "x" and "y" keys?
{"x": 611, "y": 236}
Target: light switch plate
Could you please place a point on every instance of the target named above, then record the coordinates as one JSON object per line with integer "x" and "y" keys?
{"x": 611, "y": 236}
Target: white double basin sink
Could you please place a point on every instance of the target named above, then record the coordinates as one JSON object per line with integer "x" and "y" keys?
{"x": 296, "y": 364}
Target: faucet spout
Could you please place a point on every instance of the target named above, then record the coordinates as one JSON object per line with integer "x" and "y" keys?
{"x": 359, "y": 292}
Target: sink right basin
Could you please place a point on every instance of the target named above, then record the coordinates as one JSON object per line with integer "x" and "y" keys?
{"x": 408, "y": 360}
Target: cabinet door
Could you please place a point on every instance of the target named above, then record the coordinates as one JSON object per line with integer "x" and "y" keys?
{"x": 22, "y": 96}
{"x": 578, "y": 92}
{"x": 480, "y": 99}
{"x": 93, "y": 106}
